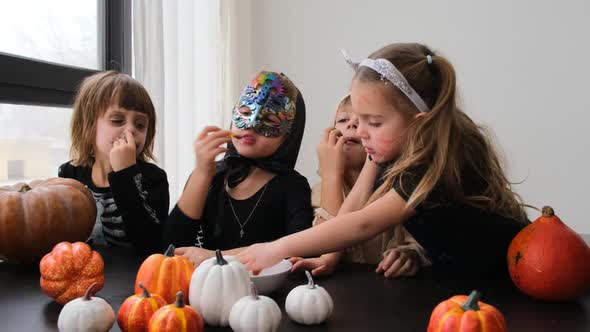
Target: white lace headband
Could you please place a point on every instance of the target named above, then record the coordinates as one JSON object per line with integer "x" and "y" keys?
{"x": 388, "y": 72}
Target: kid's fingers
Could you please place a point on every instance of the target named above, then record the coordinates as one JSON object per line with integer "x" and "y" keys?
{"x": 326, "y": 134}
{"x": 340, "y": 142}
{"x": 394, "y": 269}
{"x": 333, "y": 137}
{"x": 207, "y": 130}
{"x": 319, "y": 271}
{"x": 217, "y": 142}
{"x": 294, "y": 260}
{"x": 304, "y": 264}
{"x": 387, "y": 261}
{"x": 218, "y": 151}
{"x": 408, "y": 268}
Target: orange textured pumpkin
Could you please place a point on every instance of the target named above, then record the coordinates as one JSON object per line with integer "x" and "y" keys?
{"x": 69, "y": 270}
{"x": 176, "y": 317}
{"x": 165, "y": 275}
{"x": 466, "y": 314}
{"x": 135, "y": 313}
{"x": 36, "y": 216}
{"x": 548, "y": 260}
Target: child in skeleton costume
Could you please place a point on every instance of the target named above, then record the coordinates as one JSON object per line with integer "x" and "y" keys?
{"x": 253, "y": 194}
{"x": 112, "y": 133}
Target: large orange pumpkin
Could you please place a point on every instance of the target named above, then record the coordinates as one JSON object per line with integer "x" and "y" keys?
{"x": 466, "y": 314}
{"x": 36, "y": 216}
{"x": 165, "y": 275}
{"x": 176, "y": 317}
{"x": 137, "y": 310}
{"x": 69, "y": 270}
{"x": 548, "y": 260}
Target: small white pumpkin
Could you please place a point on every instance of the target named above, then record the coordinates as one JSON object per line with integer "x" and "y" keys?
{"x": 254, "y": 313}
{"x": 309, "y": 304}
{"x": 216, "y": 285}
{"x": 86, "y": 313}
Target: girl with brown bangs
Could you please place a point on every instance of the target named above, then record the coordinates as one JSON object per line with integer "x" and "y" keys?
{"x": 444, "y": 181}
{"x": 112, "y": 133}
{"x": 340, "y": 163}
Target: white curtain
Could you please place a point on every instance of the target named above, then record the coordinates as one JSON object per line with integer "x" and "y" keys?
{"x": 185, "y": 54}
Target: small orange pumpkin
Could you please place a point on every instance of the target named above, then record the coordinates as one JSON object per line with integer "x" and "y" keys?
{"x": 69, "y": 270}
{"x": 176, "y": 317}
{"x": 548, "y": 260}
{"x": 165, "y": 275}
{"x": 35, "y": 217}
{"x": 137, "y": 310}
{"x": 466, "y": 314}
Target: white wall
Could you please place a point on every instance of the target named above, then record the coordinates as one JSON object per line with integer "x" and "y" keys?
{"x": 523, "y": 69}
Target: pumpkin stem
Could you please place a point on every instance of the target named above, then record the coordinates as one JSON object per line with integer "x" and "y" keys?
{"x": 254, "y": 291}
{"x": 24, "y": 188}
{"x": 548, "y": 211}
{"x": 146, "y": 294}
{"x": 471, "y": 303}
{"x": 310, "y": 283}
{"x": 179, "y": 302}
{"x": 219, "y": 256}
{"x": 87, "y": 296}
{"x": 170, "y": 251}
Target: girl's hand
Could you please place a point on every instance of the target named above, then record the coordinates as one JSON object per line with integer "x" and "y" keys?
{"x": 260, "y": 256}
{"x": 194, "y": 254}
{"x": 399, "y": 262}
{"x": 319, "y": 266}
{"x": 124, "y": 152}
{"x": 331, "y": 153}
{"x": 208, "y": 146}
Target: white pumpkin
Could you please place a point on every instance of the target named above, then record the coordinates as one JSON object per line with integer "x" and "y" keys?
{"x": 309, "y": 304}
{"x": 216, "y": 285}
{"x": 86, "y": 313}
{"x": 254, "y": 313}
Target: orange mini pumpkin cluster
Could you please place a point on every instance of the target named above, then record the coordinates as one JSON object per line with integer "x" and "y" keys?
{"x": 69, "y": 270}
{"x": 167, "y": 277}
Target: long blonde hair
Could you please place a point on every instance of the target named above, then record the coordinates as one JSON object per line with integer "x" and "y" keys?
{"x": 445, "y": 141}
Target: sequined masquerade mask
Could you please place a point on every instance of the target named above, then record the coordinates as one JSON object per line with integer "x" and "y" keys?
{"x": 264, "y": 107}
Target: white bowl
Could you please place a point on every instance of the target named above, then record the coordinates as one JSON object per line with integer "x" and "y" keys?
{"x": 271, "y": 278}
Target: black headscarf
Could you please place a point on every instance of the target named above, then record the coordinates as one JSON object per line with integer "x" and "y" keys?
{"x": 282, "y": 161}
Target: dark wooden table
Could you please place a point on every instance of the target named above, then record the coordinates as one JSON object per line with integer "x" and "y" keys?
{"x": 364, "y": 301}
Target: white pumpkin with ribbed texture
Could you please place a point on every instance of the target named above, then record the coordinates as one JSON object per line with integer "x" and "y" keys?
{"x": 216, "y": 285}
{"x": 86, "y": 313}
{"x": 309, "y": 304}
{"x": 255, "y": 313}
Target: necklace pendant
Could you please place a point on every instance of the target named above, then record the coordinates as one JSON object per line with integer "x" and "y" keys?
{"x": 241, "y": 233}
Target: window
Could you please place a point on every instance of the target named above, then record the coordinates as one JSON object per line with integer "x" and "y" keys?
{"x": 46, "y": 50}
{"x": 34, "y": 141}
{"x": 64, "y": 32}
{"x": 15, "y": 169}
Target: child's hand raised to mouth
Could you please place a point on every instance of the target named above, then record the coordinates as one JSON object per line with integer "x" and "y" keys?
{"x": 124, "y": 152}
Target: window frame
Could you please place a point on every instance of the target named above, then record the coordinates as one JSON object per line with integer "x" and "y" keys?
{"x": 27, "y": 81}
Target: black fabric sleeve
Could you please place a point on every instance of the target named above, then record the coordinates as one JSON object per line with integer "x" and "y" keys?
{"x": 142, "y": 197}
{"x": 298, "y": 210}
{"x": 66, "y": 171}
{"x": 183, "y": 231}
